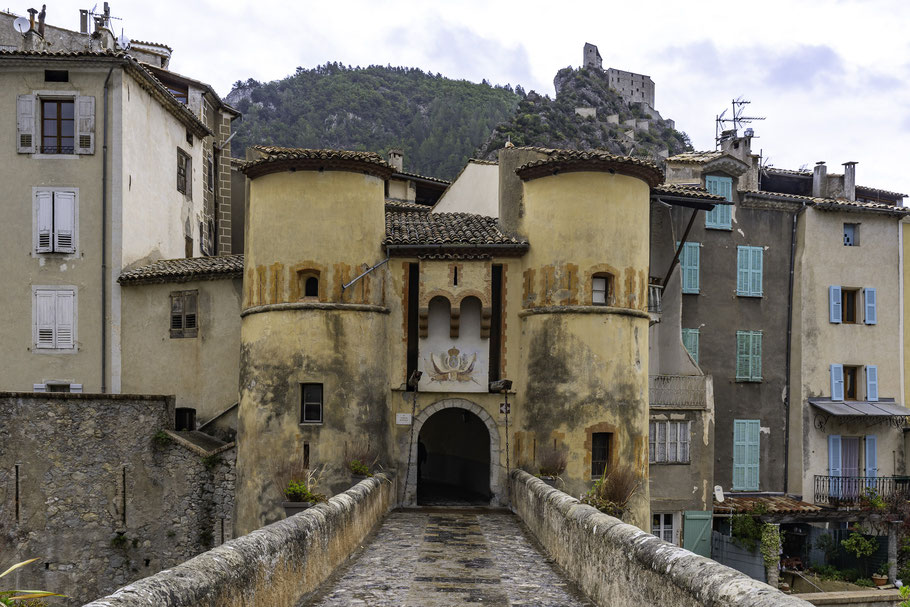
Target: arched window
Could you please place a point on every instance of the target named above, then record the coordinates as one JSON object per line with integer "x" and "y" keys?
{"x": 602, "y": 289}
{"x": 470, "y": 317}
{"x": 311, "y": 288}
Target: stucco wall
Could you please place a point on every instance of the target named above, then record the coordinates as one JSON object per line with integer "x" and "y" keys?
{"x": 475, "y": 190}
{"x": 78, "y": 459}
{"x": 202, "y": 371}
{"x": 617, "y": 564}
{"x": 277, "y": 565}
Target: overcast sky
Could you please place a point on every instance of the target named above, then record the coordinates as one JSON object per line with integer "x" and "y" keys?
{"x": 832, "y": 77}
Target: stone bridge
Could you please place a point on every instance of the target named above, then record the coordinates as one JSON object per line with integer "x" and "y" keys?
{"x": 550, "y": 550}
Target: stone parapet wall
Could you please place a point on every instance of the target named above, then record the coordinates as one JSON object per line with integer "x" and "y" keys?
{"x": 87, "y": 489}
{"x": 275, "y": 565}
{"x": 619, "y": 565}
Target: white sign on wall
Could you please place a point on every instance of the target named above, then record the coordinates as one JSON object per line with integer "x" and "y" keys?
{"x": 403, "y": 419}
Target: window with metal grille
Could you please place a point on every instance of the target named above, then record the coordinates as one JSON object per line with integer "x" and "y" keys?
{"x": 58, "y": 126}
{"x": 310, "y": 403}
{"x": 184, "y": 320}
{"x": 600, "y": 453}
{"x": 184, "y": 173}
{"x": 668, "y": 442}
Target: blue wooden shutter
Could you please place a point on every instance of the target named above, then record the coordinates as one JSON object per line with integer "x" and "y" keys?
{"x": 834, "y": 466}
{"x": 834, "y": 304}
{"x": 871, "y": 455}
{"x": 871, "y": 311}
{"x": 690, "y": 341}
{"x": 871, "y": 382}
{"x": 755, "y": 354}
{"x": 743, "y": 355}
{"x": 697, "y": 531}
{"x": 689, "y": 262}
{"x": 746, "y": 444}
{"x": 721, "y": 215}
{"x": 739, "y": 455}
{"x": 742, "y": 270}
{"x": 755, "y": 285}
{"x": 837, "y": 382}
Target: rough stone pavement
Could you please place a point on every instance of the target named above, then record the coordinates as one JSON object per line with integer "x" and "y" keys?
{"x": 443, "y": 557}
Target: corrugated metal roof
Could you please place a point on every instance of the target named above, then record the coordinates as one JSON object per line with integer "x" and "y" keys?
{"x": 881, "y": 408}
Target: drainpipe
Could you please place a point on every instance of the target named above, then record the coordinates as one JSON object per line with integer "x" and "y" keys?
{"x": 789, "y": 347}
{"x": 104, "y": 235}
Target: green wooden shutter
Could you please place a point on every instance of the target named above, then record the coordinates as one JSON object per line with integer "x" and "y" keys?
{"x": 743, "y": 355}
{"x": 755, "y": 284}
{"x": 746, "y": 448}
{"x": 720, "y": 217}
{"x": 690, "y": 339}
{"x": 689, "y": 261}
{"x": 742, "y": 270}
{"x": 697, "y": 532}
{"x": 755, "y": 354}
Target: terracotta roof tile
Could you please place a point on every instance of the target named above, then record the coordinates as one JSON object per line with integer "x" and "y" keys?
{"x": 446, "y": 229}
{"x": 686, "y": 191}
{"x": 280, "y": 159}
{"x": 158, "y": 44}
{"x": 696, "y": 157}
{"x": 833, "y": 204}
{"x": 482, "y": 161}
{"x": 406, "y": 206}
{"x": 773, "y": 504}
{"x": 182, "y": 270}
{"x": 435, "y": 179}
{"x": 580, "y": 160}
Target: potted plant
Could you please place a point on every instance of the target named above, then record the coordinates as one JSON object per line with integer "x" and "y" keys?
{"x": 360, "y": 460}
{"x": 881, "y": 577}
{"x": 552, "y": 462}
{"x": 612, "y": 492}
{"x": 301, "y": 493}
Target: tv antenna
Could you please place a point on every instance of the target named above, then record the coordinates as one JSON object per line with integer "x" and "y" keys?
{"x": 721, "y": 132}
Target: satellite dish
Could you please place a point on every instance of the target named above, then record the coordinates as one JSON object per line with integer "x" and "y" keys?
{"x": 123, "y": 41}
{"x": 719, "y": 494}
{"x": 21, "y": 25}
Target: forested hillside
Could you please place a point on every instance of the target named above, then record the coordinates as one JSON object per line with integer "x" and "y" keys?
{"x": 438, "y": 122}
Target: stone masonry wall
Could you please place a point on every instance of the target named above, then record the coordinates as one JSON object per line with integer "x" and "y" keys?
{"x": 276, "y": 565}
{"x": 619, "y": 565}
{"x": 86, "y": 488}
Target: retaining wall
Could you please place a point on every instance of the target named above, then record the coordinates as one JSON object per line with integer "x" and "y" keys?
{"x": 619, "y": 565}
{"x": 275, "y": 565}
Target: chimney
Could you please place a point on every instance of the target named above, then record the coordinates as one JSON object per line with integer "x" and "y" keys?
{"x": 396, "y": 159}
{"x": 83, "y": 21}
{"x": 820, "y": 180}
{"x": 850, "y": 180}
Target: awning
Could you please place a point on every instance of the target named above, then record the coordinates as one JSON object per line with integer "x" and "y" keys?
{"x": 860, "y": 408}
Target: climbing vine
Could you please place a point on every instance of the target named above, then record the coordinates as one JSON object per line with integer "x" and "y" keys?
{"x": 771, "y": 542}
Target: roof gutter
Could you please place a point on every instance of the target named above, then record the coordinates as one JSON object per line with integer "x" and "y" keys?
{"x": 104, "y": 233}
{"x": 789, "y": 385}
{"x": 416, "y": 248}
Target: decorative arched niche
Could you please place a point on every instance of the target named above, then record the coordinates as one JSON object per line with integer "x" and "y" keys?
{"x": 454, "y": 350}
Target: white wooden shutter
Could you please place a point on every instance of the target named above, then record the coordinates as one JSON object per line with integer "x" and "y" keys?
{"x": 871, "y": 309}
{"x": 85, "y": 125}
{"x": 65, "y": 321}
{"x": 871, "y": 382}
{"x": 871, "y": 456}
{"x": 44, "y": 201}
{"x": 837, "y": 382}
{"x": 45, "y": 319}
{"x": 64, "y": 222}
{"x": 834, "y": 304}
{"x": 26, "y": 124}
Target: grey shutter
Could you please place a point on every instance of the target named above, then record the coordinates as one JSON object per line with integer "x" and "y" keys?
{"x": 85, "y": 125}
{"x": 26, "y": 124}
{"x": 64, "y": 222}
{"x": 44, "y": 201}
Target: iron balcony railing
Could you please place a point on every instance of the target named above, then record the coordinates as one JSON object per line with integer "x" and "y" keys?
{"x": 850, "y": 491}
{"x": 678, "y": 390}
{"x": 655, "y": 292}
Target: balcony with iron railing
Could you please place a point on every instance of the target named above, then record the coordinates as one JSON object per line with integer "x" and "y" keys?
{"x": 680, "y": 391}
{"x": 852, "y": 491}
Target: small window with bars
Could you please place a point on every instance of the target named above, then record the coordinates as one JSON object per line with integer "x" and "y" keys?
{"x": 668, "y": 442}
{"x": 184, "y": 319}
{"x": 311, "y": 403}
{"x": 601, "y": 442}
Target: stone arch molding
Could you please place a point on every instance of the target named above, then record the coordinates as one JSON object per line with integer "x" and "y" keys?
{"x": 497, "y": 470}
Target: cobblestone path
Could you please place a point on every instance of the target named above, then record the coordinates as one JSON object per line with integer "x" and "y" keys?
{"x": 430, "y": 558}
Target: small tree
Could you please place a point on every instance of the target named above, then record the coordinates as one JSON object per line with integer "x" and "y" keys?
{"x": 861, "y": 546}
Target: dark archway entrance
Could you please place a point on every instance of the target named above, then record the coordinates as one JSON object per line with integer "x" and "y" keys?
{"x": 453, "y": 459}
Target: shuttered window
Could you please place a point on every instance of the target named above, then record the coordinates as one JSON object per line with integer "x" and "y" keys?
{"x": 871, "y": 382}
{"x": 55, "y": 319}
{"x": 690, "y": 339}
{"x": 746, "y": 443}
{"x": 748, "y": 355}
{"x": 749, "y": 271}
{"x": 55, "y": 125}
{"x": 184, "y": 320}
{"x": 55, "y": 219}
{"x": 688, "y": 264}
{"x": 184, "y": 173}
{"x": 721, "y": 216}
{"x": 871, "y": 315}
{"x": 837, "y": 382}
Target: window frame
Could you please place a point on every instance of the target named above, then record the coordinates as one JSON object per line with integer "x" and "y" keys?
{"x": 74, "y": 329}
{"x": 851, "y": 372}
{"x": 856, "y": 241}
{"x": 608, "y": 290}
{"x": 608, "y": 448}
{"x": 662, "y": 526}
{"x": 749, "y": 352}
{"x": 183, "y": 330}
{"x": 304, "y": 404}
{"x": 846, "y": 292}
{"x": 187, "y": 168}
{"x": 721, "y": 216}
{"x": 36, "y": 220}
{"x": 59, "y": 148}
{"x": 678, "y": 427}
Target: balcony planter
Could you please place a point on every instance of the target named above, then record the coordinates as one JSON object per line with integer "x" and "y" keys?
{"x": 880, "y": 580}
{"x": 292, "y": 508}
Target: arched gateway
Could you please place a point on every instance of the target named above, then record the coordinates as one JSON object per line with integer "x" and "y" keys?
{"x": 454, "y": 431}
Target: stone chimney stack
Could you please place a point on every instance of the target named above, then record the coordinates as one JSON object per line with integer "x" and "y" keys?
{"x": 396, "y": 159}
{"x": 850, "y": 180}
{"x": 820, "y": 180}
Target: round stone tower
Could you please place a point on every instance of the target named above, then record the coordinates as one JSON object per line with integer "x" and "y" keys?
{"x": 584, "y": 314}
{"x": 313, "y": 371}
